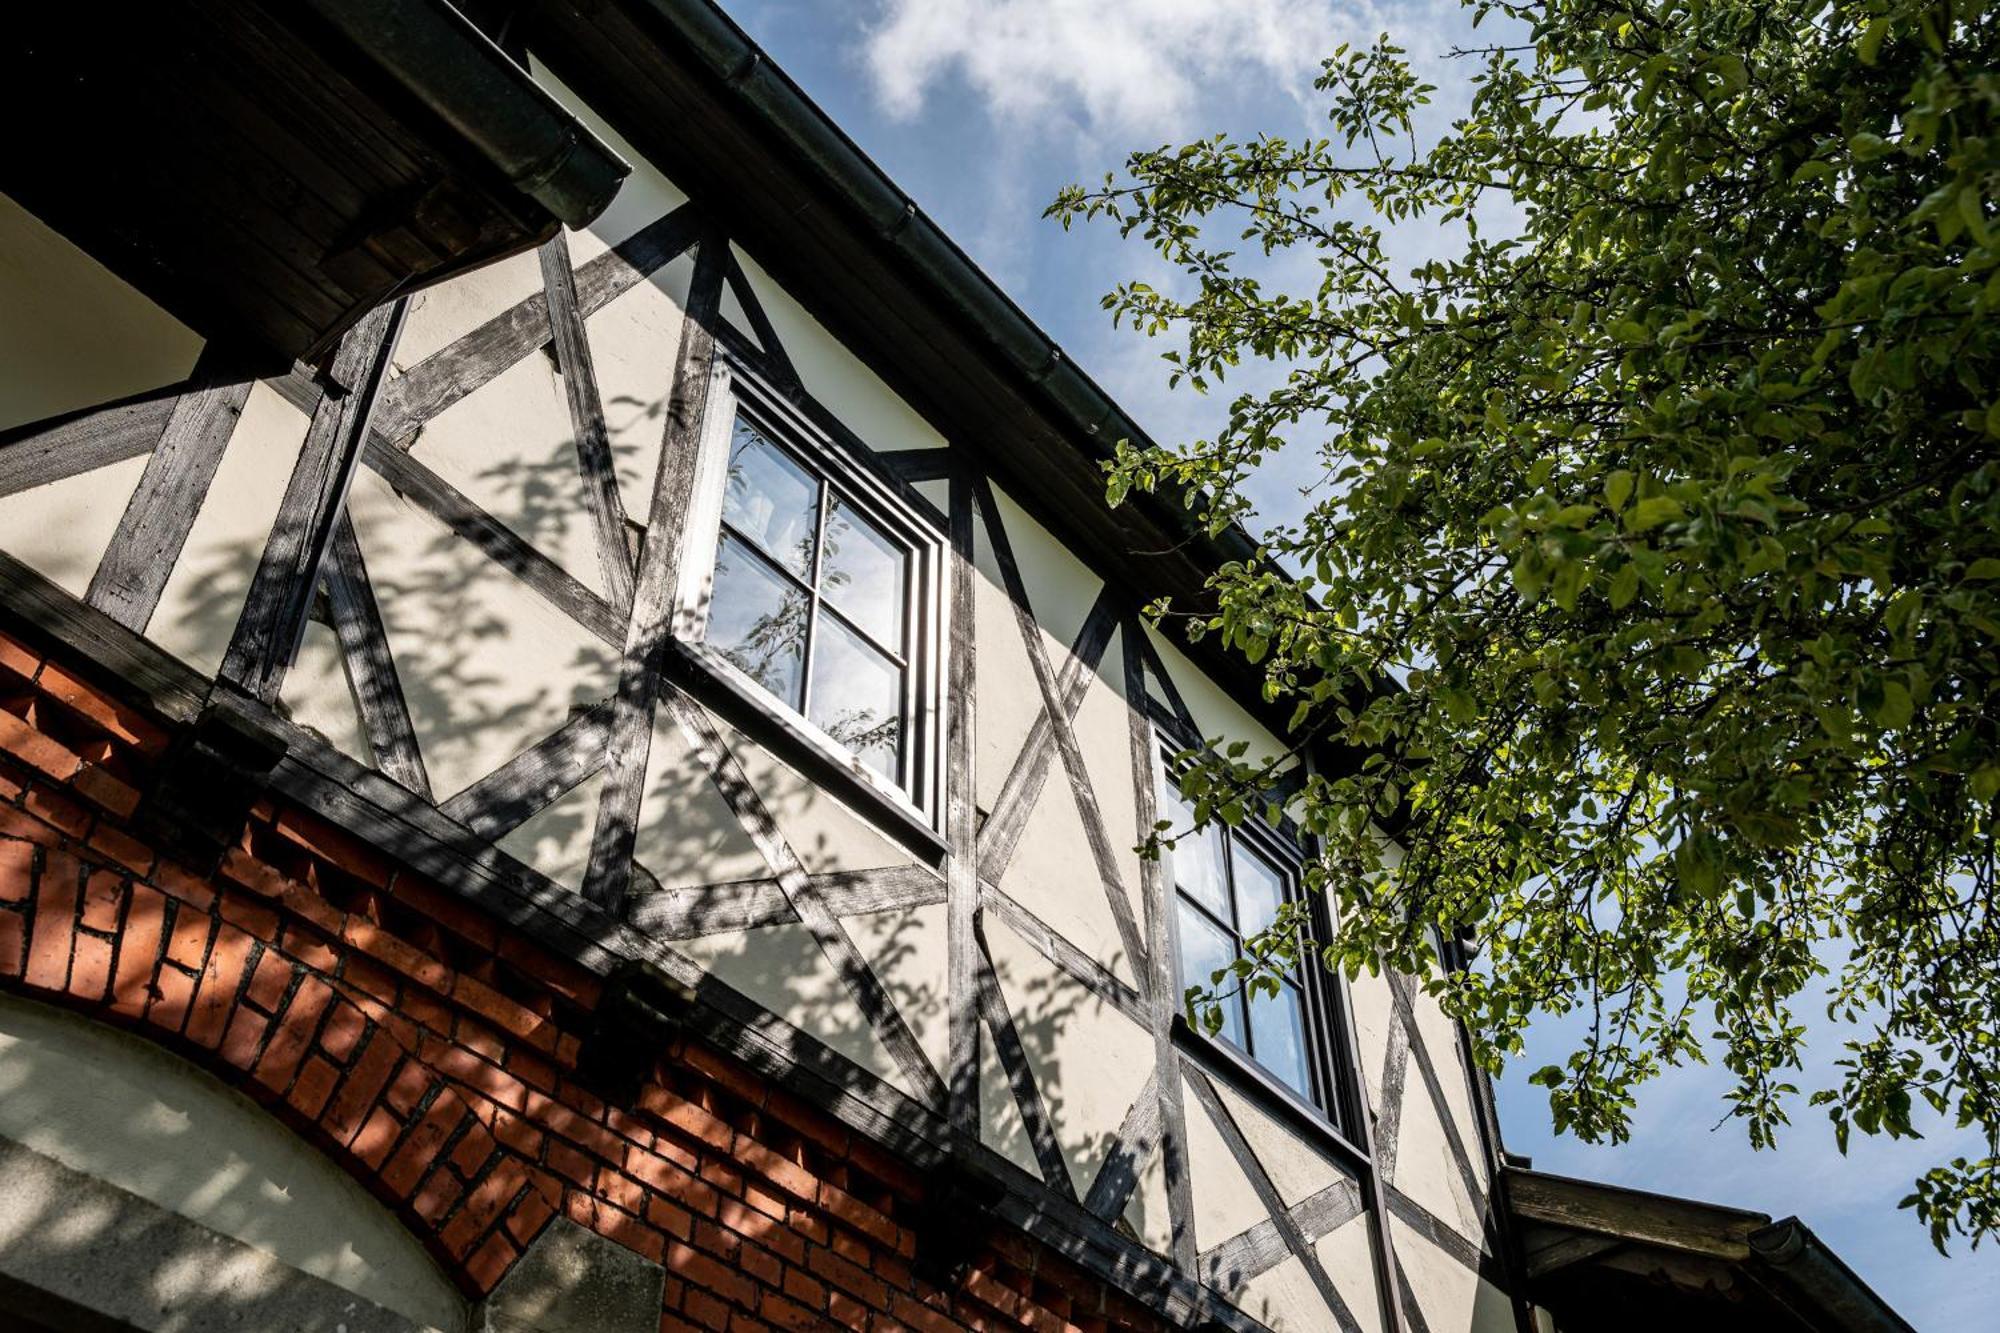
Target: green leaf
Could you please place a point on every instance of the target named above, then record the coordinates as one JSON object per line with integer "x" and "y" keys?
{"x": 1624, "y": 586}
{"x": 1870, "y": 45}
{"x": 1618, "y": 489}
{"x": 1651, "y": 512}
{"x": 1896, "y": 706}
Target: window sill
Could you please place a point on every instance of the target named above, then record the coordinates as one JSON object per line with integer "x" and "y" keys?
{"x": 1249, "y": 1079}
{"x": 709, "y": 678}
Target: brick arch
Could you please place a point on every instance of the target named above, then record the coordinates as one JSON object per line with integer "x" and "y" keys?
{"x": 211, "y": 978}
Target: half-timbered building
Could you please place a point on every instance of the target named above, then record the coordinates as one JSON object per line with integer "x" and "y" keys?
{"x": 574, "y": 726}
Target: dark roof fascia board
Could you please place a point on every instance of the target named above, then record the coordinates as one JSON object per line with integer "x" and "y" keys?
{"x": 1785, "y": 1252}
{"x": 443, "y": 59}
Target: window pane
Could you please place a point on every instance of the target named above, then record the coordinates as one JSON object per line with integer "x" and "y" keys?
{"x": 862, "y": 573}
{"x": 771, "y": 499}
{"x": 757, "y": 619}
{"x": 1278, "y": 1038}
{"x": 857, "y": 696}
{"x": 1260, "y": 888}
{"x": 1196, "y": 860}
{"x": 1206, "y": 950}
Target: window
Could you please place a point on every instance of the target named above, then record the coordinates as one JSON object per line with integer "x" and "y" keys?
{"x": 1228, "y": 885}
{"x": 821, "y": 592}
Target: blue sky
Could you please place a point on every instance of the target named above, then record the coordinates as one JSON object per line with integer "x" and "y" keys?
{"x": 981, "y": 110}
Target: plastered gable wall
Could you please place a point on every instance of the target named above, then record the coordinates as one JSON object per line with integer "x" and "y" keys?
{"x": 491, "y": 666}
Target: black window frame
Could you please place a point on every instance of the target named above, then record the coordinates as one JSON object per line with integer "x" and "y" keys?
{"x": 1334, "y": 1107}
{"x": 843, "y": 465}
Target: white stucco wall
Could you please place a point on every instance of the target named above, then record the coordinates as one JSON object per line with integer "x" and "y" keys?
{"x": 72, "y": 334}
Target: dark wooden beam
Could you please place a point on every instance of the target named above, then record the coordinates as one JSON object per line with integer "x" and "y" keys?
{"x": 1109, "y": 878}
{"x": 1391, "y": 1092}
{"x": 912, "y": 465}
{"x": 451, "y": 507}
{"x": 371, "y": 668}
{"x": 161, "y": 511}
{"x": 737, "y": 792}
{"x": 1055, "y": 946}
{"x": 450, "y": 373}
{"x": 711, "y": 909}
{"x": 1466, "y": 1253}
{"x": 1029, "y": 773}
{"x": 135, "y": 670}
{"x": 534, "y": 779}
{"x": 656, "y": 589}
{"x": 77, "y": 442}
{"x": 274, "y": 615}
{"x": 1259, "y": 1248}
{"x": 961, "y": 824}
{"x": 1131, "y": 1147}
{"x": 500, "y": 543}
{"x": 1267, "y": 1193}
{"x": 1400, "y": 991}
{"x": 1175, "y": 704}
{"x": 778, "y": 362}
{"x": 1161, "y": 1003}
{"x": 1020, "y": 1072}
{"x": 595, "y": 464}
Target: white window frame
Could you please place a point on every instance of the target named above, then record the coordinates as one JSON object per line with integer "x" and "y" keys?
{"x": 735, "y": 387}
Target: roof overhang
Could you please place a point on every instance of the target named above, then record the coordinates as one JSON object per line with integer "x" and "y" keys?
{"x": 1599, "y": 1257}
{"x": 270, "y": 171}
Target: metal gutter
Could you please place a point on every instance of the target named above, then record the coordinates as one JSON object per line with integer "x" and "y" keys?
{"x": 1817, "y": 1274}
{"x": 448, "y": 64}
{"x": 1092, "y": 419}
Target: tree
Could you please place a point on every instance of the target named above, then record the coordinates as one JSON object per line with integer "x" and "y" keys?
{"x": 1659, "y": 572}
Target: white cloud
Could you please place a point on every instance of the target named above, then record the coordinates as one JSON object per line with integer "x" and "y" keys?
{"x": 1122, "y": 65}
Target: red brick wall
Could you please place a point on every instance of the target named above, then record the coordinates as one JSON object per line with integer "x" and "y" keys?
{"x": 432, "y": 1053}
